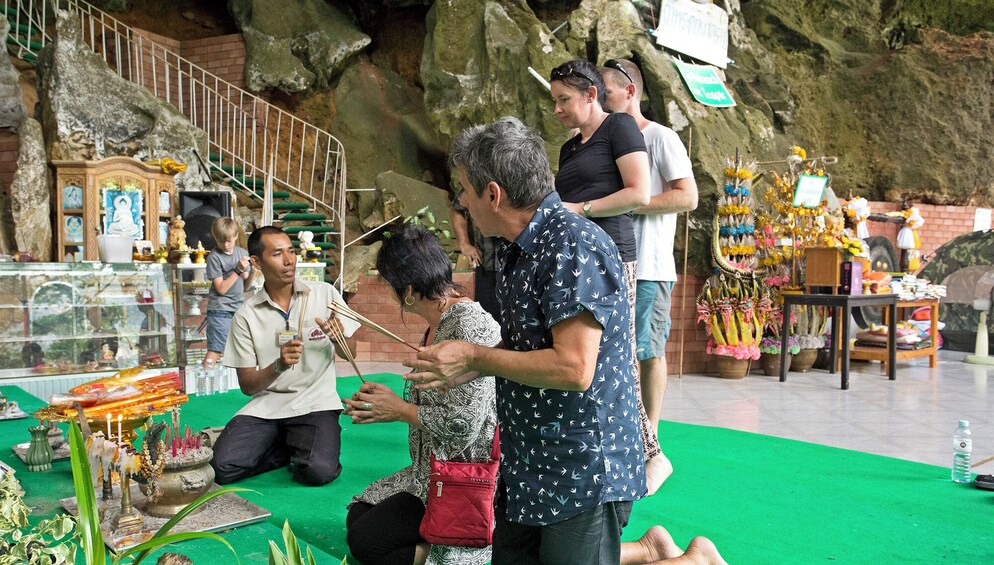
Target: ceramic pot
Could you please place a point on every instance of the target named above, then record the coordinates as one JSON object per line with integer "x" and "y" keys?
{"x": 184, "y": 479}
{"x": 770, "y": 362}
{"x": 39, "y": 455}
{"x": 731, "y": 368}
{"x": 803, "y": 361}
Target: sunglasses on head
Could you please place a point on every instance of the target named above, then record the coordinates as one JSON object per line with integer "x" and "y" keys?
{"x": 559, "y": 73}
{"x": 614, "y": 64}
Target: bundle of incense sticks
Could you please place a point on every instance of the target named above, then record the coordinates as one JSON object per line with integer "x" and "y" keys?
{"x": 339, "y": 308}
{"x": 338, "y": 337}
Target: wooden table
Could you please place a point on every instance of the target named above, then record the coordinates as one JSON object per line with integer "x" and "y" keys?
{"x": 881, "y": 354}
{"x": 841, "y": 304}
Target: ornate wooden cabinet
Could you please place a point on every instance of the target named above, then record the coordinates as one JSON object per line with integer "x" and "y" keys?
{"x": 119, "y": 195}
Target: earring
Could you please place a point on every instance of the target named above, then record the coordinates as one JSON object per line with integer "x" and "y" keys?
{"x": 409, "y": 300}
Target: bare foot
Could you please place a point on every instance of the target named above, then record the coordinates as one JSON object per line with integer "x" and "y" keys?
{"x": 657, "y": 470}
{"x": 703, "y": 552}
{"x": 659, "y": 544}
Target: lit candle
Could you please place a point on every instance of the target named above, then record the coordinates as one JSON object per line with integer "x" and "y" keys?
{"x": 108, "y": 426}
{"x": 120, "y": 438}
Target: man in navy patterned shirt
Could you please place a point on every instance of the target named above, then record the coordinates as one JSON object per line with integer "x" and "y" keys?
{"x": 571, "y": 461}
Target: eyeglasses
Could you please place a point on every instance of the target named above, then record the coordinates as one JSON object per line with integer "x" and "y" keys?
{"x": 559, "y": 73}
{"x": 614, "y": 64}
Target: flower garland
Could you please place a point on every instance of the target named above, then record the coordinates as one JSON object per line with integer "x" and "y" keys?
{"x": 736, "y": 226}
{"x": 734, "y": 312}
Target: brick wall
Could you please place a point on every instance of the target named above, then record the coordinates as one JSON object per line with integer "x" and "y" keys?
{"x": 223, "y": 56}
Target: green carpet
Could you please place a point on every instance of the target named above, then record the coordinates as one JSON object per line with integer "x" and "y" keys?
{"x": 762, "y": 499}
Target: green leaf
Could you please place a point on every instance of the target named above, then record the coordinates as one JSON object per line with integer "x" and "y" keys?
{"x": 91, "y": 538}
{"x": 447, "y": 234}
{"x": 144, "y": 548}
{"x": 290, "y": 541}
{"x": 275, "y": 557}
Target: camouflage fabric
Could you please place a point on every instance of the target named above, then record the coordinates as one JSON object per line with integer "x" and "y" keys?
{"x": 969, "y": 250}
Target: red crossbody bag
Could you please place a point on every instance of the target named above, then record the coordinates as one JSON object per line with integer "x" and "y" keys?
{"x": 460, "y": 506}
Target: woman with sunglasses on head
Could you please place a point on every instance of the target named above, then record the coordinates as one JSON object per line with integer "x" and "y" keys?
{"x": 457, "y": 424}
{"x": 603, "y": 176}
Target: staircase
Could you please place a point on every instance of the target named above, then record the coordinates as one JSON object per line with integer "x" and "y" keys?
{"x": 247, "y": 136}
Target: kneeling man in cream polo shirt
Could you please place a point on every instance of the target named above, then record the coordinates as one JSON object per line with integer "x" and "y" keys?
{"x": 292, "y": 418}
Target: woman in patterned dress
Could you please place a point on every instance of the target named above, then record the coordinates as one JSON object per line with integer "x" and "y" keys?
{"x": 456, "y": 424}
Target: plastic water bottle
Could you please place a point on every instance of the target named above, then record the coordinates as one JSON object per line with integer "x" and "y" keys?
{"x": 210, "y": 376}
{"x": 222, "y": 378}
{"x": 201, "y": 380}
{"x": 190, "y": 378}
{"x": 962, "y": 445}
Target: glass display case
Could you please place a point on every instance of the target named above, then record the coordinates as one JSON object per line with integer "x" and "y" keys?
{"x": 192, "y": 291}
{"x": 67, "y": 318}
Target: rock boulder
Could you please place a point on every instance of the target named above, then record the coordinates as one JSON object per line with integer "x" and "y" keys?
{"x": 292, "y": 46}
{"x": 29, "y": 194}
{"x": 88, "y": 112}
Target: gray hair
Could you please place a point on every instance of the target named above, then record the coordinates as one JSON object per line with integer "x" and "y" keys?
{"x": 508, "y": 153}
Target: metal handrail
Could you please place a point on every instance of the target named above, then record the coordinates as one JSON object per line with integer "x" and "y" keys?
{"x": 248, "y": 132}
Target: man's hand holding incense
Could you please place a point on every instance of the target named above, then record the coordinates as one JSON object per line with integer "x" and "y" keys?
{"x": 443, "y": 366}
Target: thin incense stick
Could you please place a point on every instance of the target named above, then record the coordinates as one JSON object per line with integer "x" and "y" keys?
{"x": 339, "y": 338}
{"x": 357, "y": 317}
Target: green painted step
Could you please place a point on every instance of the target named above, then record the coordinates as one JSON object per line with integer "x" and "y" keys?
{"x": 29, "y": 57}
{"x": 289, "y": 205}
{"x": 303, "y": 217}
{"x": 215, "y": 158}
{"x": 33, "y": 45}
{"x": 231, "y": 169}
{"x": 313, "y": 229}
{"x": 23, "y": 29}
{"x": 252, "y": 182}
{"x": 277, "y": 194}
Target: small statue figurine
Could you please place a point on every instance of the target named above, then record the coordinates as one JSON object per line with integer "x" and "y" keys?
{"x": 106, "y": 354}
{"x": 907, "y": 237}
{"x": 177, "y": 237}
{"x": 308, "y": 251}
{"x": 306, "y": 241}
{"x": 199, "y": 253}
{"x": 162, "y": 255}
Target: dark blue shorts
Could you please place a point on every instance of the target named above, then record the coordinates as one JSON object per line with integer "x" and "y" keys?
{"x": 218, "y": 324}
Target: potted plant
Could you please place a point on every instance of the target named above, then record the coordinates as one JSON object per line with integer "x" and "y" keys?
{"x": 770, "y": 352}
{"x": 734, "y": 309}
{"x": 809, "y": 325}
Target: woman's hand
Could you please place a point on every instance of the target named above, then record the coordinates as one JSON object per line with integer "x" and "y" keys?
{"x": 375, "y": 402}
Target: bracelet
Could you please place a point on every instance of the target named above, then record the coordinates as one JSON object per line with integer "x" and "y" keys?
{"x": 276, "y": 366}
{"x": 239, "y": 270}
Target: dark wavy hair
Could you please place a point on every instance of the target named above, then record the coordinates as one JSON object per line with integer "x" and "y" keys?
{"x": 412, "y": 256}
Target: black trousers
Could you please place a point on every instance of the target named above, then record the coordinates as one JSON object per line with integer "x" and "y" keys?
{"x": 591, "y": 538}
{"x": 387, "y": 532}
{"x": 311, "y": 444}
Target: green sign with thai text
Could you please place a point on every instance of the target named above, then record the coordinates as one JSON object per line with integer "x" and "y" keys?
{"x": 704, "y": 84}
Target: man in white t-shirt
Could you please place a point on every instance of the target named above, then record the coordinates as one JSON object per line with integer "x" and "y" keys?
{"x": 673, "y": 191}
{"x": 279, "y": 347}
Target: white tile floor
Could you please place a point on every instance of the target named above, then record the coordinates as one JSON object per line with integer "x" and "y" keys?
{"x": 911, "y": 418}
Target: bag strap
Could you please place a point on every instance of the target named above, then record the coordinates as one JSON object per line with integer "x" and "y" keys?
{"x": 495, "y": 450}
